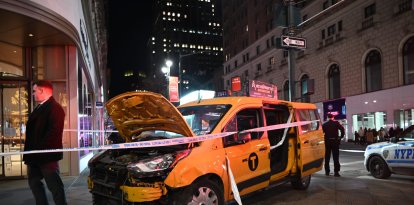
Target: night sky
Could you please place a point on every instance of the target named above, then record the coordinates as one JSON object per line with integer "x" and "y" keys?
{"x": 129, "y": 26}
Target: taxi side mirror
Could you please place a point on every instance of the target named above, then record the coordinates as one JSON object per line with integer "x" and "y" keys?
{"x": 393, "y": 140}
{"x": 244, "y": 137}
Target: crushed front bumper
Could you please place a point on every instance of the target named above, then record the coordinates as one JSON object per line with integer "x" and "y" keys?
{"x": 140, "y": 192}
{"x": 144, "y": 192}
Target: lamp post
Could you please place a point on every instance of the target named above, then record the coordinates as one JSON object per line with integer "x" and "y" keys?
{"x": 166, "y": 71}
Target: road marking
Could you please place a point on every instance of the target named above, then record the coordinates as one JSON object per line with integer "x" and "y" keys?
{"x": 349, "y": 163}
{"x": 350, "y": 150}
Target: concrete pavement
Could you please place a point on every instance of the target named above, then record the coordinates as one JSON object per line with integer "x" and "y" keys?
{"x": 17, "y": 192}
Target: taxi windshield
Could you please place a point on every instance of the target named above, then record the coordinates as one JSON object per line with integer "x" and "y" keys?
{"x": 204, "y": 118}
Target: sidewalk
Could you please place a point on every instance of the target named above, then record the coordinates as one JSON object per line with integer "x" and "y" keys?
{"x": 17, "y": 192}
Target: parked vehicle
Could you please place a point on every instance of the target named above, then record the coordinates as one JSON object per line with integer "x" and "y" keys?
{"x": 198, "y": 173}
{"x": 397, "y": 156}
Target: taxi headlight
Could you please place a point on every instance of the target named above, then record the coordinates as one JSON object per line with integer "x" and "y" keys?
{"x": 154, "y": 164}
{"x": 158, "y": 163}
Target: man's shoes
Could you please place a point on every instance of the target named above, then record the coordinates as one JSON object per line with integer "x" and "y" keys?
{"x": 337, "y": 174}
{"x": 327, "y": 173}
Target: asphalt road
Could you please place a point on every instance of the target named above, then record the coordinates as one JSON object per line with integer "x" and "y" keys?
{"x": 355, "y": 186}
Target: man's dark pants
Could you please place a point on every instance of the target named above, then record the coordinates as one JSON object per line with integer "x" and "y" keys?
{"x": 50, "y": 172}
{"x": 332, "y": 146}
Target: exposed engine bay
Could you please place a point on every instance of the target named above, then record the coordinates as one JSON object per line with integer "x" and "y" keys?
{"x": 112, "y": 169}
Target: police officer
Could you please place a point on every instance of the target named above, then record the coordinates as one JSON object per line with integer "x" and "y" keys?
{"x": 332, "y": 141}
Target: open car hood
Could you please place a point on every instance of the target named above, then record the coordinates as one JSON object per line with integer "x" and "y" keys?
{"x": 135, "y": 112}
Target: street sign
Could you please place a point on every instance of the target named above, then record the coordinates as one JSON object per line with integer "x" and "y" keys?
{"x": 293, "y": 42}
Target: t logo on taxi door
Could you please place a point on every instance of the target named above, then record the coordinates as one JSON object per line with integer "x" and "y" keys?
{"x": 253, "y": 161}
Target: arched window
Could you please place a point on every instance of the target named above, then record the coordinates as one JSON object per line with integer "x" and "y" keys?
{"x": 334, "y": 82}
{"x": 304, "y": 88}
{"x": 373, "y": 73}
{"x": 408, "y": 61}
{"x": 286, "y": 91}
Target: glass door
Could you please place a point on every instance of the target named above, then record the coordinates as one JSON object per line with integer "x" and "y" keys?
{"x": 14, "y": 109}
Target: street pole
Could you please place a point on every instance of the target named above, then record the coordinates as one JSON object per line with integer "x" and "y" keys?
{"x": 291, "y": 51}
{"x": 180, "y": 80}
{"x": 166, "y": 71}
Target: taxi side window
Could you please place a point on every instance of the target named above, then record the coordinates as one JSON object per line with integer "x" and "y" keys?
{"x": 308, "y": 115}
{"x": 275, "y": 116}
{"x": 244, "y": 120}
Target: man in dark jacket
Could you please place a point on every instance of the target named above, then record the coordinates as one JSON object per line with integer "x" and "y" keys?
{"x": 44, "y": 131}
{"x": 331, "y": 129}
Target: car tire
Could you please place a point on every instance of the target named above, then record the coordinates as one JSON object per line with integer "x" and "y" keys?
{"x": 378, "y": 168}
{"x": 301, "y": 183}
{"x": 202, "y": 191}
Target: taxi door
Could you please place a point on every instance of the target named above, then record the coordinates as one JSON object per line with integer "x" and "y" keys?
{"x": 311, "y": 142}
{"x": 249, "y": 158}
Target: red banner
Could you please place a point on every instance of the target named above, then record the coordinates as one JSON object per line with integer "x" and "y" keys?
{"x": 173, "y": 89}
{"x": 235, "y": 84}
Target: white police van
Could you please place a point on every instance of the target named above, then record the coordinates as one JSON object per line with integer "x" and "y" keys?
{"x": 397, "y": 156}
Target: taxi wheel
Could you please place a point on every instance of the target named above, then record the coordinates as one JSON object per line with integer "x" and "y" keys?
{"x": 301, "y": 183}
{"x": 379, "y": 168}
{"x": 203, "y": 191}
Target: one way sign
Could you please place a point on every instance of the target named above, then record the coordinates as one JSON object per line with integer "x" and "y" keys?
{"x": 293, "y": 42}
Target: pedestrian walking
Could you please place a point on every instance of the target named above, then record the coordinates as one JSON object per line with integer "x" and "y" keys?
{"x": 44, "y": 131}
{"x": 331, "y": 129}
{"x": 357, "y": 137}
{"x": 362, "y": 138}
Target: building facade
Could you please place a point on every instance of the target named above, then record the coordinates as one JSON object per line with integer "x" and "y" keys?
{"x": 189, "y": 33}
{"x": 64, "y": 42}
{"x": 360, "y": 51}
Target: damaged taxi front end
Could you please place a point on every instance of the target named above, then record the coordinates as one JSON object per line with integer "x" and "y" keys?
{"x": 137, "y": 175}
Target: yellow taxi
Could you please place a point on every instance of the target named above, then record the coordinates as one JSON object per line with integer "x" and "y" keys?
{"x": 255, "y": 155}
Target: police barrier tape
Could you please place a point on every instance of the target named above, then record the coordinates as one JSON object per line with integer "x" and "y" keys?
{"x": 162, "y": 142}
